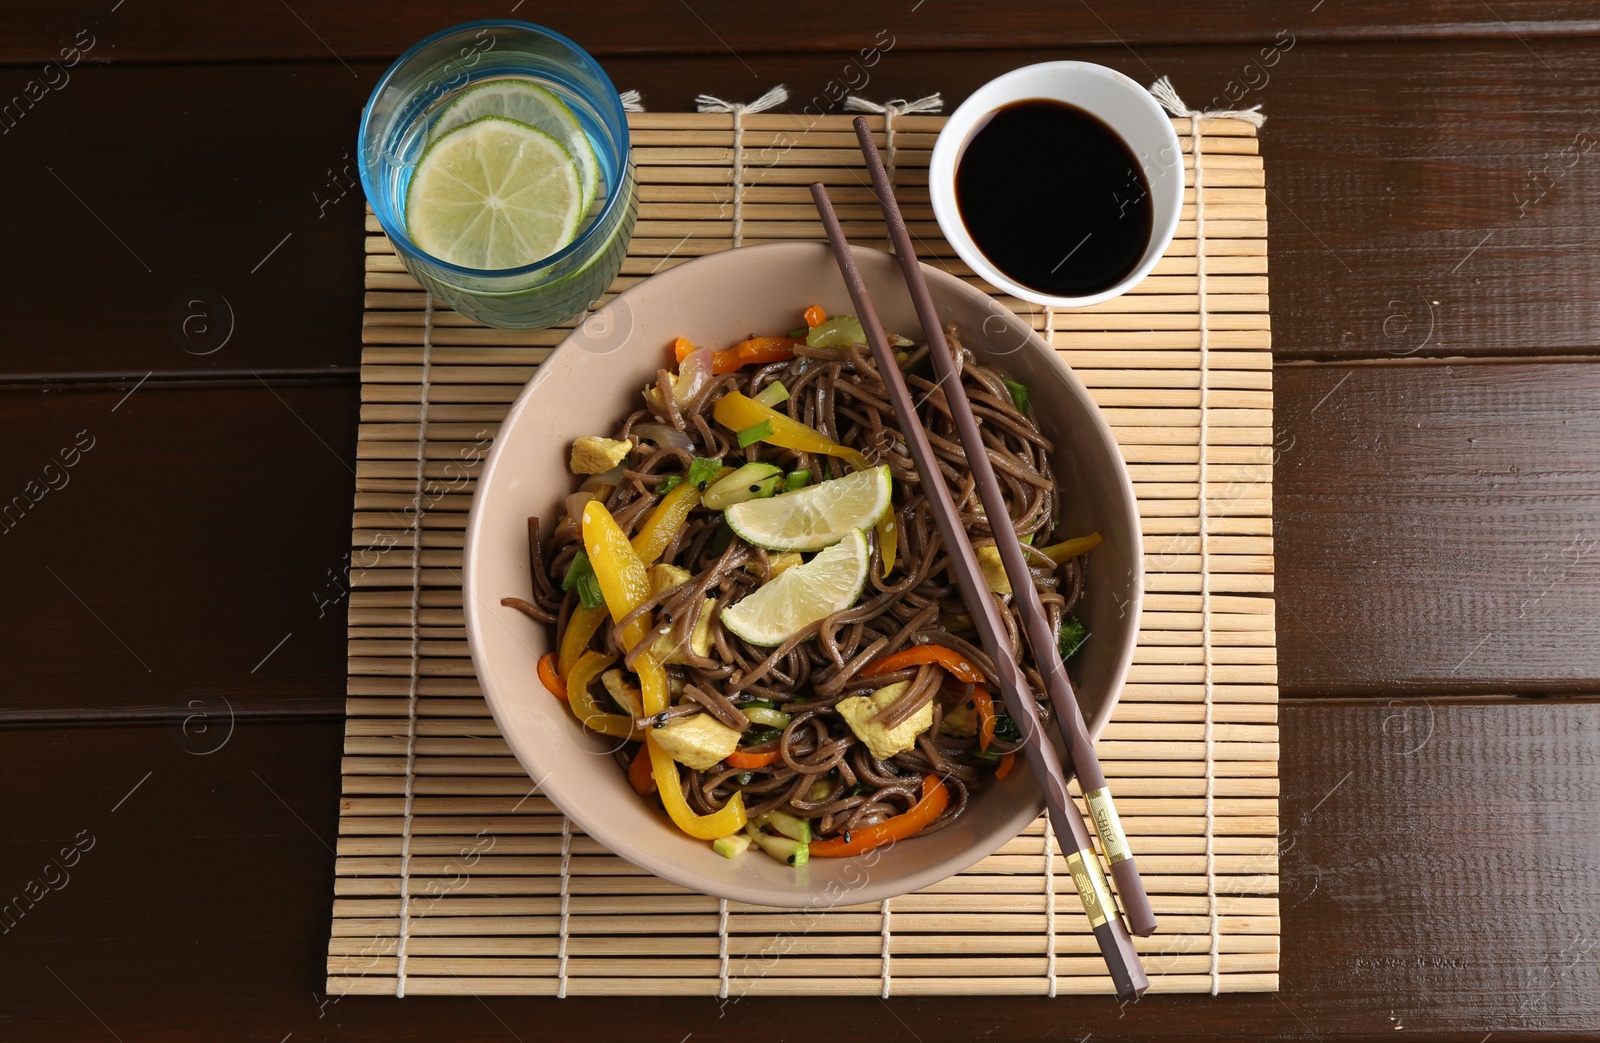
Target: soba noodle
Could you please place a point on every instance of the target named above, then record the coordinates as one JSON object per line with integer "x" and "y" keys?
{"x": 823, "y": 772}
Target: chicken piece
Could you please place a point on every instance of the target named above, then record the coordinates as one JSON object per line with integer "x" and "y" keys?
{"x": 884, "y": 743}
{"x": 592, "y": 454}
{"x": 697, "y": 742}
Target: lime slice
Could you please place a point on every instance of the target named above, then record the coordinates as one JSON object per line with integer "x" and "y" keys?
{"x": 802, "y": 594}
{"x": 527, "y": 103}
{"x": 494, "y": 193}
{"x": 815, "y": 517}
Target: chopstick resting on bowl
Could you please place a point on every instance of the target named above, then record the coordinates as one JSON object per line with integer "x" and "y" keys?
{"x": 1127, "y": 974}
{"x": 1036, "y": 622}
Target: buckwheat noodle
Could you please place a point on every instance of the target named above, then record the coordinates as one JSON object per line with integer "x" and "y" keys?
{"x": 837, "y": 391}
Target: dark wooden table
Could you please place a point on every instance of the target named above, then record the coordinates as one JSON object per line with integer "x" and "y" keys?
{"x": 176, "y": 481}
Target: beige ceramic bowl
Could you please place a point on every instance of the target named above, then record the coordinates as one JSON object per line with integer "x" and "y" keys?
{"x": 592, "y": 381}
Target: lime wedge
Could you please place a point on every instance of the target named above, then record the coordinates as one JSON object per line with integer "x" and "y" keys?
{"x": 815, "y": 517}
{"x": 802, "y": 594}
{"x": 494, "y": 193}
{"x": 527, "y": 103}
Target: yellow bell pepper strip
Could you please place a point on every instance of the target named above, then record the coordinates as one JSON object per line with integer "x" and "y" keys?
{"x": 652, "y": 684}
{"x": 589, "y": 666}
{"x": 549, "y": 678}
{"x": 1066, "y": 550}
{"x": 581, "y": 627}
{"x": 622, "y": 575}
{"x": 725, "y": 822}
{"x": 664, "y": 522}
{"x": 888, "y": 530}
{"x": 737, "y": 412}
{"x": 935, "y": 798}
{"x": 958, "y": 665}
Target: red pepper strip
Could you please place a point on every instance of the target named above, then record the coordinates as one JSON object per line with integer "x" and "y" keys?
{"x": 1005, "y": 766}
{"x": 960, "y": 667}
{"x": 721, "y": 361}
{"x": 644, "y": 783}
{"x": 935, "y": 798}
{"x": 548, "y": 675}
{"x": 814, "y": 315}
{"x": 761, "y": 350}
{"x": 747, "y": 761}
{"x": 725, "y": 362}
{"x": 745, "y": 353}
{"x": 986, "y": 717}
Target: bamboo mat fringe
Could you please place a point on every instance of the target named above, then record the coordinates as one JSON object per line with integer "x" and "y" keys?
{"x": 415, "y": 656}
{"x": 454, "y": 875}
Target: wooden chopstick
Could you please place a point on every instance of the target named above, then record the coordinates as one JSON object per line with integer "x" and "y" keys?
{"x": 1036, "y": 623}
{"x": 1127, "y": 974}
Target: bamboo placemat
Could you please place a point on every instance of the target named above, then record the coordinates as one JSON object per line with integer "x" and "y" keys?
{"x": 454, "y": 875}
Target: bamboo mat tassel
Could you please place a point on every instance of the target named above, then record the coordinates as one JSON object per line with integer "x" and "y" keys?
{"x": 631, "y": 101}
{"x": 886, "y": 951}
{"x": 566, "y": 907}
{"x": 1163, "y": 91}
{"x": 722, "y": 948}
{"x": 711, "y": 103}
{"x": 889, "y": 110}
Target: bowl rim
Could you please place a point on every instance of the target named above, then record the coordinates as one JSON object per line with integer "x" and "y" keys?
{"x": 619, "y": 842}
{"x": 1004, "y": 90}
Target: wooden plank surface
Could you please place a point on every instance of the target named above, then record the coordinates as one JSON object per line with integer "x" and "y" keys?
{"x": 1468, "y": 905}
{"x": 1439, "y": 858}
{"x": 1412, "y": 220}
{"x": 188, "y": 30}
{"x": 1438, "y": 528}
{"x": 205, "y": 240}
{"x": 195, "y": 529}
{"x": 1435, "y": 533}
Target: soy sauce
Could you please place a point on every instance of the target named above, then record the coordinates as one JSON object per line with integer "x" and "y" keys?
{"x": 1054, "y": 198}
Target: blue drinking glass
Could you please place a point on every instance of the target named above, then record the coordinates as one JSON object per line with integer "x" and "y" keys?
{"x": 394, "y": 134}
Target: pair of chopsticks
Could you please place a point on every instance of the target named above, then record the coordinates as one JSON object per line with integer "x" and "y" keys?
{"x": 1046, "y": 653}
{"x": 1127, "y": 974}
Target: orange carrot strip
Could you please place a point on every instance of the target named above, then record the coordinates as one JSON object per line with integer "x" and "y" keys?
{"x": 746, "y": 761}
{"x": 761, "y": 350}
{"x": 986, "y": 717}
{"x": 960, "y": 667}
{"x": 814, "y": 315}
{"x": 935, "y": 798}
{"x": 1005, "y": 766}
{"x": 639, "y": 775}
{"x": 548, "y": 675}
{"x": 745, "y": 353}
